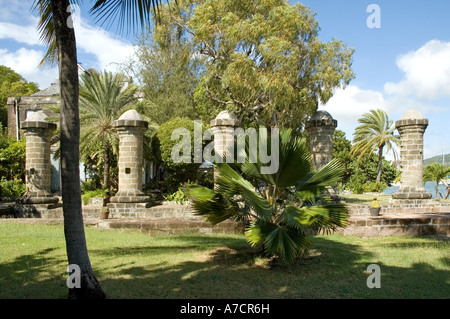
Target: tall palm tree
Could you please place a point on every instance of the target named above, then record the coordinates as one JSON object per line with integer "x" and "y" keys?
{"x": 436, "y": 172}
{"x": 374, "y": 134}
{"x": 59, "y": 35}
{"x": 279, "y": 209}
{"x": 103, "y": 98}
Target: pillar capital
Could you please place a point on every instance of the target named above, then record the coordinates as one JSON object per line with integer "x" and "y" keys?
{"x": 130, "y": 119}
{"x": 321, "y": 118}
{"x": 37, "y": 120}
{"x": 224, "y": 118}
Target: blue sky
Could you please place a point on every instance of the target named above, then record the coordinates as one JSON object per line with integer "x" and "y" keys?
{"x": 401, "y": 65}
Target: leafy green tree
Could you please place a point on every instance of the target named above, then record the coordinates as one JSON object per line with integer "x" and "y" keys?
{"x": 341, "y": 150}
{"x": 12, "y": 165}
{"x": 436, "y": 172}
{"x": 59, "y": 35}
{"x": 265, "y": 61}
{"x": 363, "y": 174}
{"x": 12, "y": 84}
{"x": 280, "y": 209}
{"x": 374, "y": 134}
{"x": 103, "y": 98}
{"x": 178, "y": 173}
{"x": 166, "y": 65}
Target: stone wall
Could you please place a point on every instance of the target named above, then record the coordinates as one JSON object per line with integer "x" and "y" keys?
{"x": 404, "y": 207}
{"x": 420, "y": 225}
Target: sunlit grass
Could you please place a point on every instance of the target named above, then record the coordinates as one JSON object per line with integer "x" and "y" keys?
{"x": 134, "y": 265}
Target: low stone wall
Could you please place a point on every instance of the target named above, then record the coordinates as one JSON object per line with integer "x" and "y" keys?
{"x": 390, "y": 225}
{"x": 404, "y": 207}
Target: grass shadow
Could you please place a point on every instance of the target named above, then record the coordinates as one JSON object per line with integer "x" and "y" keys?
{"x": 33, "y": 276}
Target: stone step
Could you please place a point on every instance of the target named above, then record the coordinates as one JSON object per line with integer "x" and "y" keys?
{"x": 172, "y": 226}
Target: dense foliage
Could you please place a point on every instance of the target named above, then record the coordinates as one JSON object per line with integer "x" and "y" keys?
{"x": 361, "y": 175}
{"x": 12, "y": 165}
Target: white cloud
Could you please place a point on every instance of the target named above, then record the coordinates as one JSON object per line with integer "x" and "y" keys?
{"x": 107, "y": 49}
{"x": 19, "y": 33}
{"x": 25, "y": 62}
{"x": 347, "y": 105}
{"x": 427, "y": 72}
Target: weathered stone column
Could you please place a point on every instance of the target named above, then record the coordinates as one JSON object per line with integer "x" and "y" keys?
{"x": 411, "y": 128}
{"x": 131, "y": 127}
{"x": 38, "y": 134}
{"x": 321, "y": 128}
{"x": 222, "y": 128}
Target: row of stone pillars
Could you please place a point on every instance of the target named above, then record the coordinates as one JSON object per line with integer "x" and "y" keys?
{"x": 411, "y": 128}
{"x": 131, "y": 128}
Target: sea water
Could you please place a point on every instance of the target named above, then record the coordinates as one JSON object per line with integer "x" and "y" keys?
{"x": 430, "y": 187}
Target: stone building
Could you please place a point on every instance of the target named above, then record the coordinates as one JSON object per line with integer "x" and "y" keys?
{"x": 19, "y": 108}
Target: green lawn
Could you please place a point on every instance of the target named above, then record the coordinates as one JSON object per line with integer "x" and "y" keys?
{"x": 135, "y": 265}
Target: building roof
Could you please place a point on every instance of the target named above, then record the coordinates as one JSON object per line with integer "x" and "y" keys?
{"x": 52, "y": 90}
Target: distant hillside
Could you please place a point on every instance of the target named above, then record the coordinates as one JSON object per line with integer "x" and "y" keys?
{"x": 437, "y": 159}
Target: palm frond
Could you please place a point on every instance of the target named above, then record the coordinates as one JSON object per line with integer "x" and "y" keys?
{"x": 129, "y": 14}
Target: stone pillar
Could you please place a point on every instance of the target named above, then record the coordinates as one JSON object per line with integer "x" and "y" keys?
{"x": 130, "y": 127}
{"x": 411, "y": 128}
{"x": 38, "y": 134}
{"x": 222, "y": 128}
{"x": 321, "y": 128}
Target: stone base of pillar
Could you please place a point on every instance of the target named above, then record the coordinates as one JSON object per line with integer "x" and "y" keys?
{"x": 39, "y": 210}
{"x": 130, "y": 196}
{"x": 414, "y": 202}
{"x": 124, "y": 198}
{"x": 50, "y": 199}
{"x": 411, "y": 193}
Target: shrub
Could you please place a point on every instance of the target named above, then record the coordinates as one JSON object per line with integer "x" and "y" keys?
{"x": 12, "y": 159}
{"x": 12, "y": 188}
{"x": 374, "y": 187}
{"x": 178, "y": 173}
{"x": 179, "y": 196}
{"x": 95, "y": 193}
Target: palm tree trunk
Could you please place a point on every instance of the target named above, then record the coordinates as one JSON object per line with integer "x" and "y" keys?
{"x": 69, "y": 138}
{"x": 106, "y": 166}
{"x": 380, "y": 163}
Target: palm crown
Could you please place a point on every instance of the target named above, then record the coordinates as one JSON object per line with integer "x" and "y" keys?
{"x": 103, "y": 98}
{"x": 375, "y": 132}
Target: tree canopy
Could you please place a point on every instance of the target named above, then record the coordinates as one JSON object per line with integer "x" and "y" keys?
{"x": 264, "y": 60}
{"x": 12, "y": 84}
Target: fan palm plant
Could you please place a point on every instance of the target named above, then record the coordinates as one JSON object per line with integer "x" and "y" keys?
{"x": 436, "y": 172}
{"x": 103, "y": 98}
{"x": 374, "y": 134}
{"x": 281, "y": 209}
